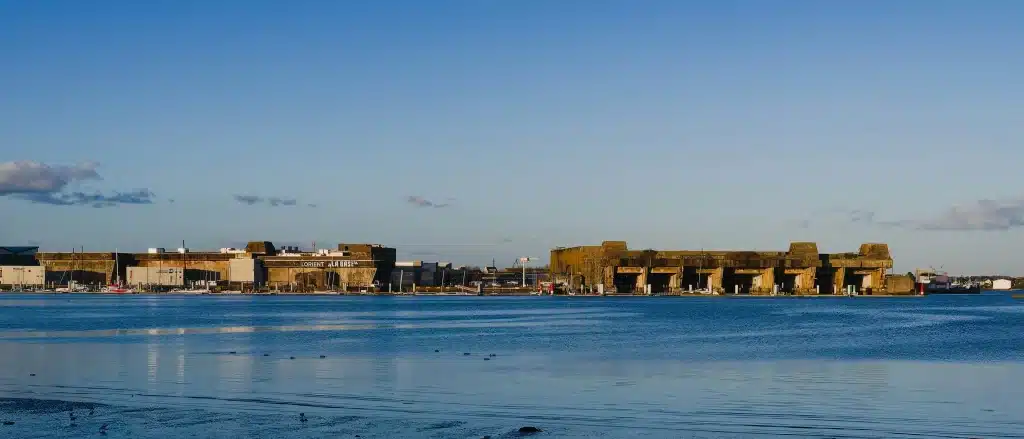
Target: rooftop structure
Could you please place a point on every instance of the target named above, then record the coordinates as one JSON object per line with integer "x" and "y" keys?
{"x": 18, "y": 255}
{"x": 18, "y": 250}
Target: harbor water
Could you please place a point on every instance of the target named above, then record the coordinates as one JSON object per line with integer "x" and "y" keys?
{"x": 468, "y": 367}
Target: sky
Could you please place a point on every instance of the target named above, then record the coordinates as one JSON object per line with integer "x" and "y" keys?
{"x": 469, "y": 130}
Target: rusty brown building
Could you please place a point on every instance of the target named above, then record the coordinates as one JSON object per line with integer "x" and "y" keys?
{"x": 105, "y": 268}
{"x": 211, "y": 266}
{"x": 87, "y": 268}
{"x": 612, "y": 267}
{"x": 359, "y": 266}
{"x": 259, "y": 265}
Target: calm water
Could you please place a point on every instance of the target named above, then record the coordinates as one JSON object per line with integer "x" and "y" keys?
{"x": 205, "y": 366}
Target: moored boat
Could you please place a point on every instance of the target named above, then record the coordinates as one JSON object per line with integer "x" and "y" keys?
{"x": 933, "y": 282}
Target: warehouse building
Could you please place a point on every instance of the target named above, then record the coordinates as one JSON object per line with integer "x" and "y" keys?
{"x": 1002, "y": 284}
{"x": 194, "y": 267}
{"x": 407, "y": 274}
{"x": 260, "y": 264}
{"x": 246, "y": 273}
{"x": 12, "y": 276}
{"x": 613, "y": 268}
{"x": 350, "y": 266}
{"x": 156, "y": 276}
{"x": 19, "y": 267}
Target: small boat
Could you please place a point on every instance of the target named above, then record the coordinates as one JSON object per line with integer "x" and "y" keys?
{"x": 188, "y": 291}
{"x": 73, "y": 288}
{"x": 117, "y": 289}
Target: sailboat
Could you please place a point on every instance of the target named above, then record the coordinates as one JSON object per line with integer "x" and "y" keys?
{"x": 117, "y": 287}
{"x": 703, "y": 289}
{"x": 72, "y": 286}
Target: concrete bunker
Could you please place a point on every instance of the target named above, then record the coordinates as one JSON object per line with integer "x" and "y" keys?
{"x": 628, "y": 279}
{"x": 745, "y": 281}
{"x": 697, "y": 278}
{"x": 860, "y": 281}
{"x": 663, "y": 279}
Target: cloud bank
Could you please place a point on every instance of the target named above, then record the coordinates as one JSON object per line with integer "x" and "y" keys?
{"x": 419, "y": 201}
{"x": 41, "y": 183}
{"x": 24, "y": 177}
{"x": 252, "y": 200}
{"x": 97, "y": 200}
{"x": 984, "y": 215}
{"x": 980, "y": 215}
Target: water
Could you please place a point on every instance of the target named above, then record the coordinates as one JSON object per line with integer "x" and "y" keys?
{"x": 206, "y": 366}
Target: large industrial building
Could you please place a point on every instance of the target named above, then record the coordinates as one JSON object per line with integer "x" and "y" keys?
{"x": 18, "y": 266}
{"x": 92, "y": 268}
{"x": 358, "y": 266}
{"x": 259, "y": 265}
{"x": 610, "y": 268}
{"x": 613, "y": 268}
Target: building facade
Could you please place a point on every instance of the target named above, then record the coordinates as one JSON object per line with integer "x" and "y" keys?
{"x": 350, "y": 266}
{"x": 92, "y": 268}
{"x": 22, "y": 276}
{"x": 613, "y": 268}
{"x": 1002, "y": 284}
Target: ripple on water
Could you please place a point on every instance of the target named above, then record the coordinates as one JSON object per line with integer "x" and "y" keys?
{"x": 593, "y": 368}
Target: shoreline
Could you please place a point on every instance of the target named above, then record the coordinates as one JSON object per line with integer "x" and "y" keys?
{"x": 463, "y": 294}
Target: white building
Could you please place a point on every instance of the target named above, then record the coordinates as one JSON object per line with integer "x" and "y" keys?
{"x": 19, "y": 275}
{"x": 1002, "y": 284}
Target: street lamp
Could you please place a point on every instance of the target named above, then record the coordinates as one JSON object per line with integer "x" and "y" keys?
{"x": 523, "y": 261}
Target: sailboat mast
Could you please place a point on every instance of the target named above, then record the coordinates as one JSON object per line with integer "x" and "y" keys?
{"x": 701, "y": 265}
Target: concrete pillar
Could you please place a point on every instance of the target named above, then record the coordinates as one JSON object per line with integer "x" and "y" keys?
{"x": 837, "y": 280}
{"x": 609, "y": 276}
{"x": 715, "y": 280}
{"x": 767, "y": 280}
{"x": 804, "y": 281}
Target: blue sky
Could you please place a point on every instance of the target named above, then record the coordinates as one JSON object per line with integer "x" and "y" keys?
{"x": 534, "y": 124}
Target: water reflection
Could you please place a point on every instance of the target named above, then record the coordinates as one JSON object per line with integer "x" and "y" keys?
{"x": 657, "y": 369}
{"x": 284, "y": 328}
